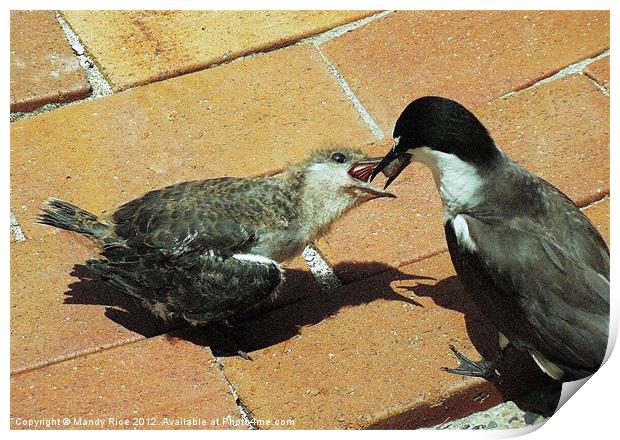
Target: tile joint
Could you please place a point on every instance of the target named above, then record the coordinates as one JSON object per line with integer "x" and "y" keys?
{"x": 16, "y": 229}
{"x": 317, "y": 40}
{"x": 604, "y": 90}
{"x": 596, "y": 202}
{"x": 245, "y": 413}
{"x": 357, "y": 105}
{"x": 341, "y": 30}
{"x": 75, "y": 355}
{"x": 98, "y": 84}
{"x": 575, "y": 68}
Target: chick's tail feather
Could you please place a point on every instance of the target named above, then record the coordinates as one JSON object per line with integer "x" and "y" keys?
{"x": 66, "y": 216}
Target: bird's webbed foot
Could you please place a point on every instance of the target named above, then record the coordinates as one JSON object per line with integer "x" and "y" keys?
{"x": 467, "y": 367}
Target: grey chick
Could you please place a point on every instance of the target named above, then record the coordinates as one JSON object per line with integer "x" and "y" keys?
{"x": 206, "y": 250}
{"x": 535, "y": 265}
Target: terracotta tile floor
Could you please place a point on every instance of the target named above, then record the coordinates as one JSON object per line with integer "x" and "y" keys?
{"x": 44, "y": 69}
{"x": 267, "y": 88}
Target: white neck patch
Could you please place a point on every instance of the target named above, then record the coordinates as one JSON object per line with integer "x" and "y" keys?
{"x": 457, "y": 181}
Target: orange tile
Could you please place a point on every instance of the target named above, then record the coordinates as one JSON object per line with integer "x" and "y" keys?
{"x": 599, "y": 71}
{"x": 370, "y": 355}
{"x": 59, "y": 309}
{"x": 599, "y": 216}
{"x": 137, "y": 47}
{"x": 470, "y": 56}
{"x": 240, "y": 119}
{"x": 160, "y": 383}
{"x": 44, "y": 68}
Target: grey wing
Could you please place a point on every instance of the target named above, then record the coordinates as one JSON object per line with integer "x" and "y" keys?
{"x": 198, "y": 287}
{"x": 543, "y": 296}
{"x": 228, "y": 286}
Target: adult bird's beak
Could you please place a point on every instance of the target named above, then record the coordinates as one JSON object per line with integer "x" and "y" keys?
{"x": 392, "y": 165}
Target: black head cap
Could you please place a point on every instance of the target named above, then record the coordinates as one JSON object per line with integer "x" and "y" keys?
{"x": 444, "y": 125}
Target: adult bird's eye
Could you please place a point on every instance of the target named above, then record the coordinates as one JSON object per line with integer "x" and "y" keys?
{"x": 339, "y": 157}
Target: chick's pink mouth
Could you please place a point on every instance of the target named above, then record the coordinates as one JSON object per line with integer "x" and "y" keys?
{"x": 363, "y": 169}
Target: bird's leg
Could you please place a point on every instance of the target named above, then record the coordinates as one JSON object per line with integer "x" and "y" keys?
{"x": 234, "y": 325}
{"x": 224, "y": 329}
{"x": 244, "y": 355}
{"x": 467, "y": 367}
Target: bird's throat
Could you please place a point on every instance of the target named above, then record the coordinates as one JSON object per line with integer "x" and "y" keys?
{"x": 459, "y": 183}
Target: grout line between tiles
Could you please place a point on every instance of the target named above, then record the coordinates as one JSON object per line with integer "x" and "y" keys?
{"x": 99, "y": 85}
{"x": 245, "y": 413}
{"x": 16, "y": 229}
{"x": 572, "y": 69}
{"x": 341, "y": 30}
{"x": 596, "y": 202}
{"x": 75, "y": 355}
{"x": 317, "y": 40}
{"x": 357, "y": 105}
{"x": 604, "y": 90}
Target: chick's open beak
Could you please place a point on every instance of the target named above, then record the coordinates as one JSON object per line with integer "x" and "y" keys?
{"x": 392, "y": 165}
{"x": 362, "y": 171}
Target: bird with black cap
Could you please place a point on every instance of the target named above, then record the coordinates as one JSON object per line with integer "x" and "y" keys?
{"x": 534, "y": 264}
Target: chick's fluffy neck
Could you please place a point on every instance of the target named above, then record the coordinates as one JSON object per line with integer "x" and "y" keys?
{"x": 320, "y": 199}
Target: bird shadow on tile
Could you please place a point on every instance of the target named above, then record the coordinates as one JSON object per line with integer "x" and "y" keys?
{"x": 520, "y": 378}
{"x": 122, "y": 309}
{"x": 263, "y": 330}
{"x": 300, "y": 287}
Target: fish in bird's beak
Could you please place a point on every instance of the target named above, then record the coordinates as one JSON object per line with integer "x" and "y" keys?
{"x": 362, "y": 171}
{"x": 391, "y": 165}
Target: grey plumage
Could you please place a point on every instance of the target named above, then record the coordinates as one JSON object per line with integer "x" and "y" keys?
{"x": 555, "y": 300}
{"x": 206, "y": 250}
{"x": 535, "y": 265}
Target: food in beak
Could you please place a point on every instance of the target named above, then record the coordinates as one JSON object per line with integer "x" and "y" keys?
{"x": 394, "y": 168}
{"x": 362, "y": 171}
{"x": 391, "y": 165}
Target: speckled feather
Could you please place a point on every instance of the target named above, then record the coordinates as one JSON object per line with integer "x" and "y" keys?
{"x": 223, "y": 215}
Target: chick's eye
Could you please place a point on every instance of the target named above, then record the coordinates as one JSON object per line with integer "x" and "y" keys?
{"x": 339, "y": 157}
